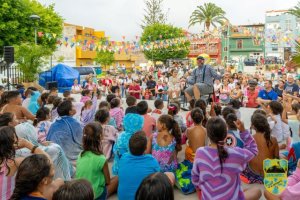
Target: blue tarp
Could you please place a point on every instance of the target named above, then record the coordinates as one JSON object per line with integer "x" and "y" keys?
{"x": 63, "y": 74}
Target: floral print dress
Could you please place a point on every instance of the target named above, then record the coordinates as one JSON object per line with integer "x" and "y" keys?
{"x": 166, "y": 156}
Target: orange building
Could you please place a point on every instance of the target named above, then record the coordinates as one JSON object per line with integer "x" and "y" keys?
{"x": 84, "y": 52}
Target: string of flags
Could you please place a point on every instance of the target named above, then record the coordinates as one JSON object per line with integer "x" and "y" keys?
{"x": 93, "y": 43}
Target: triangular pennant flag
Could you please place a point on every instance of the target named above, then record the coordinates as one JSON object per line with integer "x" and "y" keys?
{"x": 40, "y": 34}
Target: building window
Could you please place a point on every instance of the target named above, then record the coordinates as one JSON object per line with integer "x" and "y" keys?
{"x": 225, "y": 48}
{"x": 256, "y": 41}
{"x": 239, "y": 44}
{"x": 274, "y": 47}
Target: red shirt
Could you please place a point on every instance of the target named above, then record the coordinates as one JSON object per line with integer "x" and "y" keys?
{"x": 106, "y": 82}
{"x": 135, "y": 88}
{"x": 252, "y": 96}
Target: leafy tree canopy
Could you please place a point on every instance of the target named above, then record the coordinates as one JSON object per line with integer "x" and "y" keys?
{"x": 16, "y": 27}
{"x": 161, "y": 32}
{"x": 295, "y": 10}
{"x": 30, "y": 58}
{"x": 104, "y": 58}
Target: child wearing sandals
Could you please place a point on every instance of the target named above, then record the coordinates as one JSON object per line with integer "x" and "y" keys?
{"x": 216, "y": 170}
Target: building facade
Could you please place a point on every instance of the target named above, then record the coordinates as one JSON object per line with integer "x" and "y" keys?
{"x": 282, "y": 29}
{"x": 208, "y": 45}
{"x": 240, "y": 43}
{"x": 77, "y": 47}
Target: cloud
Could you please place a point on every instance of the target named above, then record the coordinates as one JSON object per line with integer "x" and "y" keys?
{"x": 123, "y": 17}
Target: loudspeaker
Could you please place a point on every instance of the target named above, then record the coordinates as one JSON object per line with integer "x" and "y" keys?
{"x": 9, "y": 54}
{"x": 50, "y": 85}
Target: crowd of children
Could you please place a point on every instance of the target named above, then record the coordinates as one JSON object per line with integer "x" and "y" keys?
{"x": 66, "y": 150}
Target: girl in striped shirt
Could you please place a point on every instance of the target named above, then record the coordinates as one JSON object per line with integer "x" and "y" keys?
{"x": 216, "y": 169}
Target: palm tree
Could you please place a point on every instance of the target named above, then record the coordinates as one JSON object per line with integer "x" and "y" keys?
{"x": 296, "y": 56}
{"x": 295, "y": 11}
{"x": 209, "y": 14}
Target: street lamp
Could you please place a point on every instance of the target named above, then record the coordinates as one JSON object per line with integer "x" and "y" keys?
{"x": 35, "y": 18}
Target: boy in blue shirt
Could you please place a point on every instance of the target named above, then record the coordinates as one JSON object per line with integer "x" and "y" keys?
{"x": 135, "y": 166}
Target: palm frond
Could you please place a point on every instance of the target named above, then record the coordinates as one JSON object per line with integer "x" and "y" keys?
{"x": 207, "y": 13}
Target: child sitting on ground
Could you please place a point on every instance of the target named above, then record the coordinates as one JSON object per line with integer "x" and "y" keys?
{"x": 116, "y": 112}
{"x": 75, "y": 189}
{"x": 142, "y": 164}
{"x": 189, "y": 121}
{"x": 54, "y": 113}
{"x": 110, "y": 133}
{"x": 158, "y": 182}
{"x": 200, "y": 103}
{"x": 166, "y": 143}
{"x": 157, "y": 112}
{"x": 236, "y": 104}
{"x": 86, "y": 95}
{"x": 67, "y": 94}
{"x": 132, "y": 124}
{"x": 106, "y": 105}
{"x": 131, "y": 103}
{"x": 267, "y": 149}
{"x": 233, "y": 138}
{"x": 92, "y": 164}
{"x": 275, "y": 110}
{"x": 42, "y": 123}
{"x": 89, "y": 109}
{"x": 147, "y": 94}
{"x": 149, "y": 121}
{"x": 196, "y": 135}
{"x": 214, "y": 162}
{"x": 173, "y": 110}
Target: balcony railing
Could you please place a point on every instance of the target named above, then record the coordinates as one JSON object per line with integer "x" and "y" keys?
{"x": 200, "y": 51}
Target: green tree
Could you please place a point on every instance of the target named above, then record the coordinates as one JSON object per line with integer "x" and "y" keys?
{"x": 16, "y": 27}
{"x": 209, "y": 14}
{"x": 295, "y": 10}
{"x": 156, "y": 33}
{"x": 60, "y": 59}
{"x": 104, "y": 58}
{"x": 153, "y": 13}
{"x": 30, "y": 59}
{"x": 296, "y": 56}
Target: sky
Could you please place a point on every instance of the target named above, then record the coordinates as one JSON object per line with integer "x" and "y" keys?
{"x": 123, "y": 17}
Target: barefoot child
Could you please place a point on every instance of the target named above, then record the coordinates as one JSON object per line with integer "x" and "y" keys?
{"x": 196, "y": 135}
{"x": 267, "y": 149}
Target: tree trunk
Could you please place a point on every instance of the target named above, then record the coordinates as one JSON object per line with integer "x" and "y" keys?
{"x": 207, "y": 24}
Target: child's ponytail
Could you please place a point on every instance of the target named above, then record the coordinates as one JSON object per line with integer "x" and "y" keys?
{"x": 176, "y": 132}
{"x": 261, "y": 125}
{"x": 173, "y": 129}
{"x": 223, "y": 154}
{"x": 217, "y": 131}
